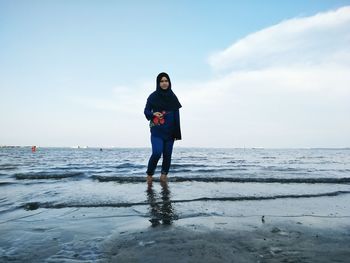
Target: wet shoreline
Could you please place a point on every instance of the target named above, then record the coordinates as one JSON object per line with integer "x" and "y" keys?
{"x": 249, "y": 231}
{"x": 220, "y": 205}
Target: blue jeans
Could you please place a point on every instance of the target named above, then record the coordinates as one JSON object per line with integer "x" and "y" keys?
{"x": 160, "y": 146}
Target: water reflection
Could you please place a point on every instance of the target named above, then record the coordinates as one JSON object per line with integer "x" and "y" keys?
{"x": 161, "y": 209}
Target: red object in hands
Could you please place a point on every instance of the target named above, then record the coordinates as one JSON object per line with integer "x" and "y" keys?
{"x": 159, "y": 120}
{"x": 162, "y": 119}
{"x": 155, "y": 120}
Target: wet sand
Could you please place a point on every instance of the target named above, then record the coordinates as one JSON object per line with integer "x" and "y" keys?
{"x": 278, "y": 241}
{"x": 127, "y": 235}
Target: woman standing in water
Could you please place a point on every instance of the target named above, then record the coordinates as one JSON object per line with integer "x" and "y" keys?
{"x": 162, "y": 110}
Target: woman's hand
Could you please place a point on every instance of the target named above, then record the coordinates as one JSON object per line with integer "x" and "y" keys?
{"x": 158, "y": 114}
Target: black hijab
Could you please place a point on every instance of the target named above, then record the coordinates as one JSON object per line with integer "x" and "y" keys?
{"x": 164, "y": 99}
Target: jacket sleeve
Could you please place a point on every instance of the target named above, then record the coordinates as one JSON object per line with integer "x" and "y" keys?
{"x": 177, "y": 133}
{"x": 148, "y": 110}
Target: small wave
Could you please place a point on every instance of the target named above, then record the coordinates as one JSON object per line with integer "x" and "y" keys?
{"x": 183, "y": 165}
{"x": 282, "y": 169}
{"x": 129, "y": 165}
{"x": 6, "y": 183}
{"x": 219, "y": 170}
{"x": 312, "y": 157}
{"x": 248, "y": 165}
{"x": 183, "y": 170}
{"x": 63, "y": 168}
{"x": 333, "y": 170}
{"x": 195, "y": 157}
{"x": 138, "y": 179}
{"x": 43, "y": 175}
{"x": 8, "y": 166}
{"x": 36, "y": 205}
{"x": 3, "y": 200}
{"x": 236, "y": 161}
{"x": 210, "y": 170}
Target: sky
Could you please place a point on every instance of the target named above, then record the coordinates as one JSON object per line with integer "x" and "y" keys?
{"x": 272, "y": 74}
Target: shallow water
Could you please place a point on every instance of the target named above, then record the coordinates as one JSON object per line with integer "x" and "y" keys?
{"x": 75, "y": 201}
{"x": 88, "y": 177}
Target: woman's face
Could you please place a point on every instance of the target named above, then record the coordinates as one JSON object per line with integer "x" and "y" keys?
{"x": 164, "y": 83}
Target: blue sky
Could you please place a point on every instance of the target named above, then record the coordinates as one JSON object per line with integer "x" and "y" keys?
{"x": 79, "y": 72}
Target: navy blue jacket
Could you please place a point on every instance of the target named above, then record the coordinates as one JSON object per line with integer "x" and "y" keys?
{"x": 171, "y": 127}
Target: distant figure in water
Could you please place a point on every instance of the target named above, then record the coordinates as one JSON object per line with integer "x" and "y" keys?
{"x": 100, "y": 149}
{"x": 162, "y": 110}
{"x": 33, "y": 148}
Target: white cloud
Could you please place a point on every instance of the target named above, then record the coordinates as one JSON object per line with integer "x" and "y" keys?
{"x": 121, "y": 99}
{"x": 320, "y": 39}
{"x": 284, "y": 86}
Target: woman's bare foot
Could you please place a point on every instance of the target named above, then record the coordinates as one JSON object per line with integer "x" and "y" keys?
{"x": 163, "y": 178}
{"x": 149, "y": 180}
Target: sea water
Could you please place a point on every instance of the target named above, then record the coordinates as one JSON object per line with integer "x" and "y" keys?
{"x": 68, "y": 204}
{"x": 116, "y": 177}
